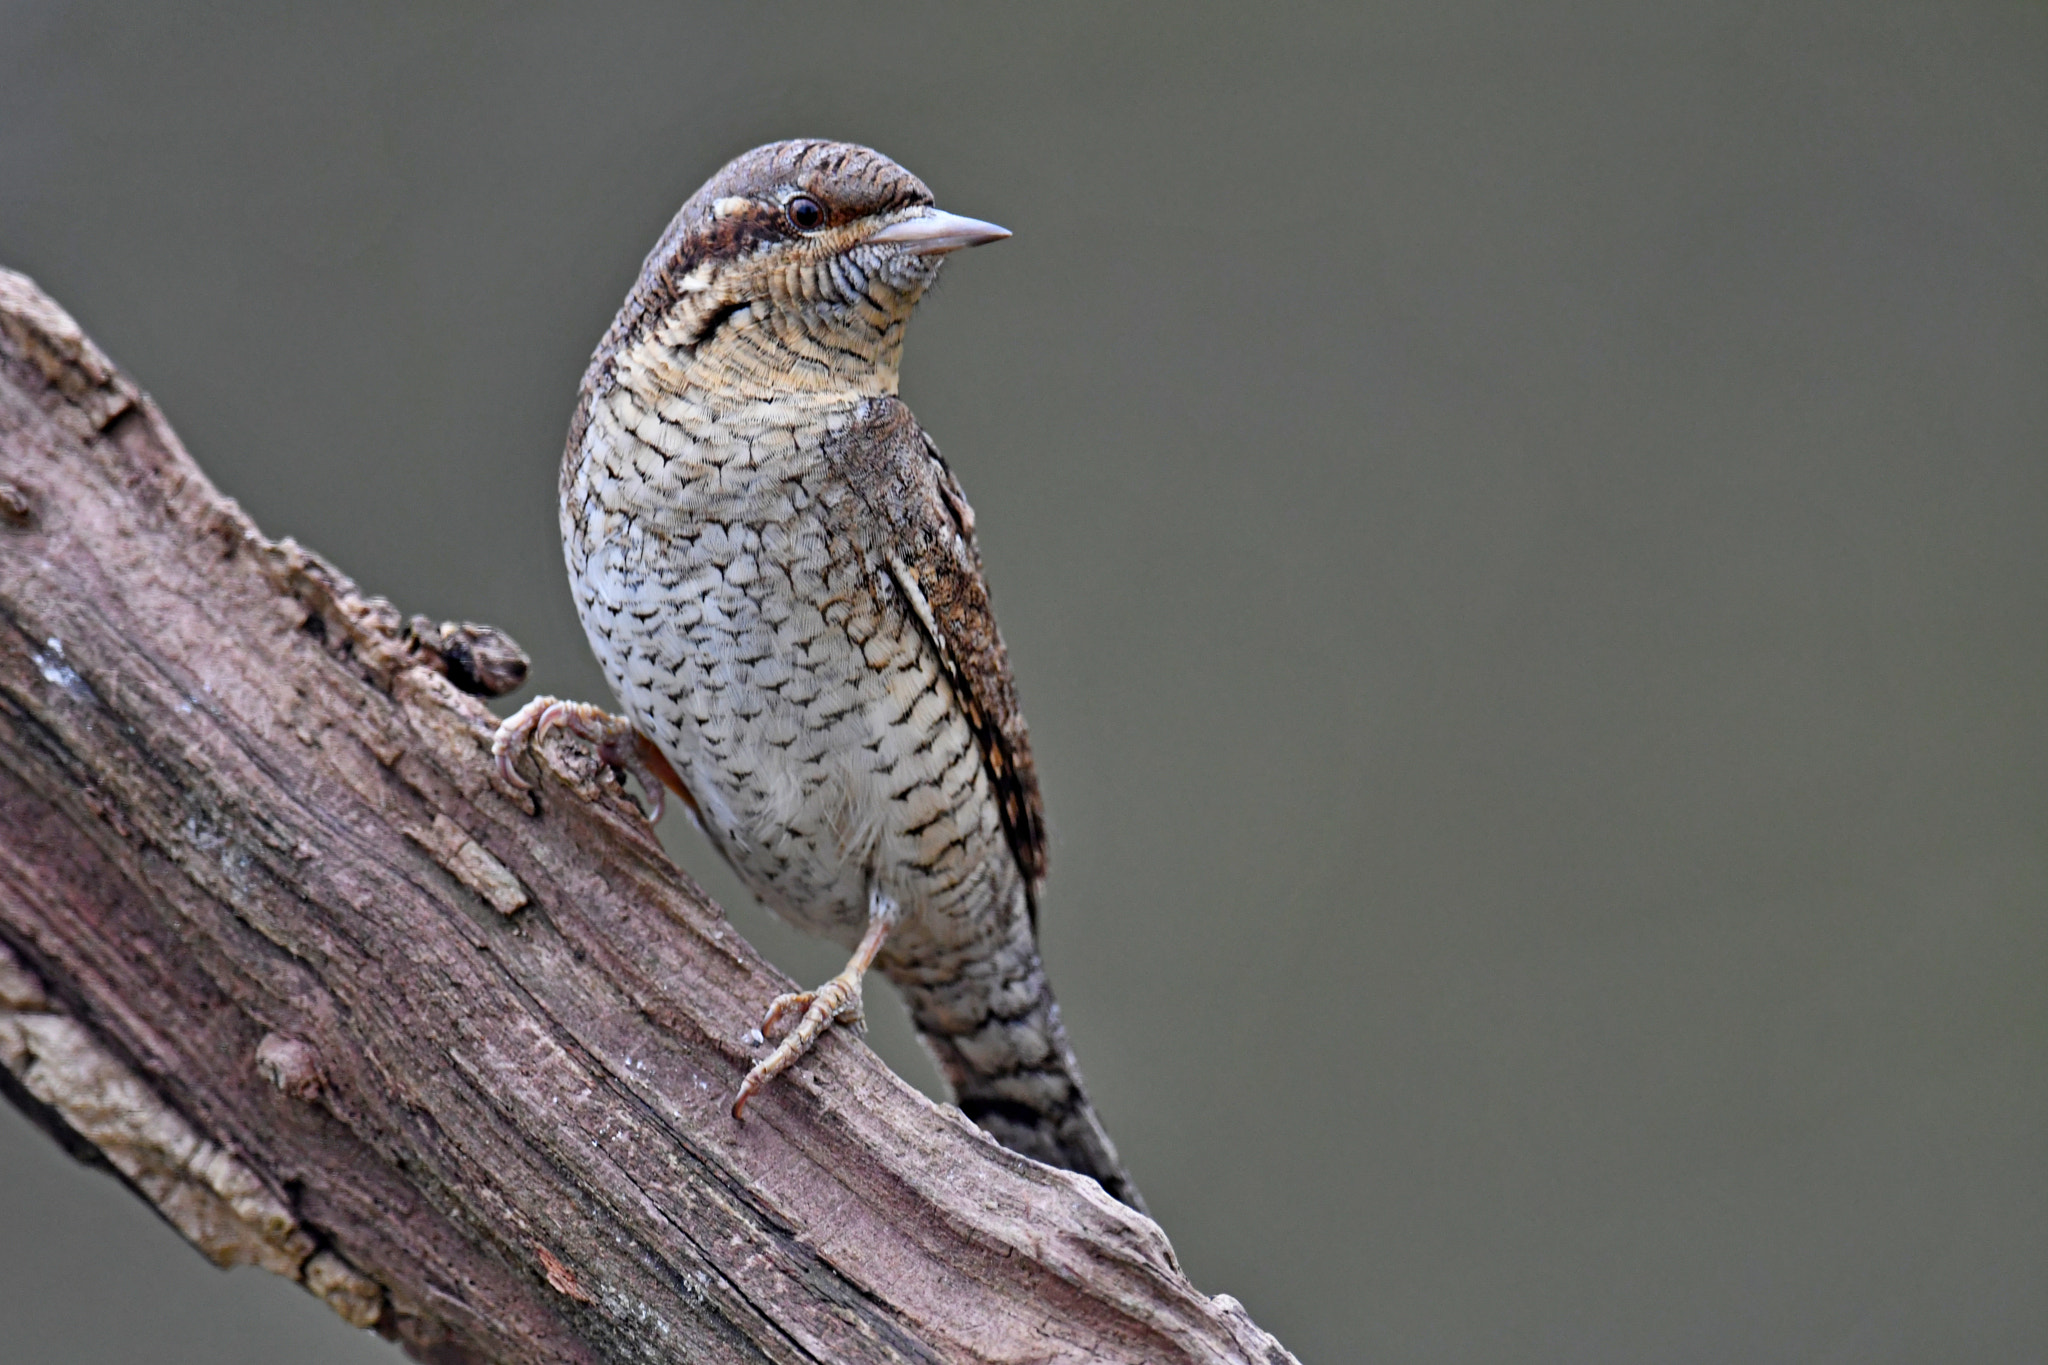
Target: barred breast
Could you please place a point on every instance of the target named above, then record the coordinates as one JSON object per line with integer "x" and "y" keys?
{"x": 747, "y": 621}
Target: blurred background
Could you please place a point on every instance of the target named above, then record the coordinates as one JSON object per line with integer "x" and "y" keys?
{"x": 1523, "y": 540}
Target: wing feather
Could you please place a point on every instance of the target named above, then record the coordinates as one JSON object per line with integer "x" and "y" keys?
{"x": 923, "y": 538}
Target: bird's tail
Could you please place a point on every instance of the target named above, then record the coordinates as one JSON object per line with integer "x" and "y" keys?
{"x": 996, "y": 1034}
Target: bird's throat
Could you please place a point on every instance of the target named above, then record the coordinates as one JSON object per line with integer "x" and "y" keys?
{"x": 796, "y": 341}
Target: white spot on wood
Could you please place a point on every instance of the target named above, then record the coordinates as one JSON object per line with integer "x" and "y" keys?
{"x": 49, "y": 661}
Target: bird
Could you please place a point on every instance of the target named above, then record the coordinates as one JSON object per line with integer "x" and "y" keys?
{"x": 780, "y": 577}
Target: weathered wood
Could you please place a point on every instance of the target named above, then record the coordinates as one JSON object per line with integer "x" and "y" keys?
{"x": 276, "y": 946}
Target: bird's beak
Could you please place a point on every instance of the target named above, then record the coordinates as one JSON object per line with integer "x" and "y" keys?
{"x": 933, "y": 233}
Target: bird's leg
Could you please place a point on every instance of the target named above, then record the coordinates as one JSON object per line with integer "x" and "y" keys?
{"x": 618, "y": 744}
{"x": 837, "y": 1001}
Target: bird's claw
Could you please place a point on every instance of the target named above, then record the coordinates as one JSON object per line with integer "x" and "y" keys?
{"x": 838, "y": 1001}
{"x": 616, "y": 741}
{"x": 515, "y": 732}
{"x": 785, "y": 1010}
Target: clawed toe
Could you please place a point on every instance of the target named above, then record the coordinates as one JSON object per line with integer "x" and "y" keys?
{"x": 835, "y": 1002}
{"x": 783, "y": 1012}
{"x": 626, "y": 753}
{"x": 517, "y": 732}
{"x": 618, "y": 744}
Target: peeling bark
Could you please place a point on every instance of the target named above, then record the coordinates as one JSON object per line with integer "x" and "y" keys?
{"x": 279, "y": 949}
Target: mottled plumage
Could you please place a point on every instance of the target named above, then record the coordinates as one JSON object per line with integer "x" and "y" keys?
{"x": 778, "y": 573}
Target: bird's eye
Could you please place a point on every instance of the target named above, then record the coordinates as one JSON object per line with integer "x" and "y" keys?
{"x": 805, "y": 214}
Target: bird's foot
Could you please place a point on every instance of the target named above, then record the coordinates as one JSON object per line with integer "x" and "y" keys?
{"x": 836, "y": 1002}
{"x": 618, "y": 744}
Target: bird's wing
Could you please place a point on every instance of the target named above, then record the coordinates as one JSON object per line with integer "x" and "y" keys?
{"x": 927, "y": 548}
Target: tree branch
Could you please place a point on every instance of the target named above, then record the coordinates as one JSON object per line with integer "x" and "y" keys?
{"x": 278, "y": 949}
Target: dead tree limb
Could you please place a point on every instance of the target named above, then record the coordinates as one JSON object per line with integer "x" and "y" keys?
{"x": 277, "y": 949}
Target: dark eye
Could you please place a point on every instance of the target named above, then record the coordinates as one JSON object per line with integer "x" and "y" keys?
{"x": 805, "y": 214}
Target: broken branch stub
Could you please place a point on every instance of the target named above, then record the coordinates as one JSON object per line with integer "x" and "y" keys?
{"x": 283, "y": 953}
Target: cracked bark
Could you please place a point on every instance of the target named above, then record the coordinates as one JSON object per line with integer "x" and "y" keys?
{"x": 278, "y": 950}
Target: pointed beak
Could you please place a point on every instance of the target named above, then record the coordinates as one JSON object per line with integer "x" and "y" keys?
{"x": 933, "y": 233}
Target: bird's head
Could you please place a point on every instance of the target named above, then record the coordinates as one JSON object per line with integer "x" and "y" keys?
{"x": 794, "y": 268}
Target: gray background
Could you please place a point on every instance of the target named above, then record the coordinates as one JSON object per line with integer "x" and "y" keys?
{"x": 1523, "y": 538}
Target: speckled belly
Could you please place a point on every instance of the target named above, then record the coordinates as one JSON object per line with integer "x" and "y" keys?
{"x": 739, "y": 616}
